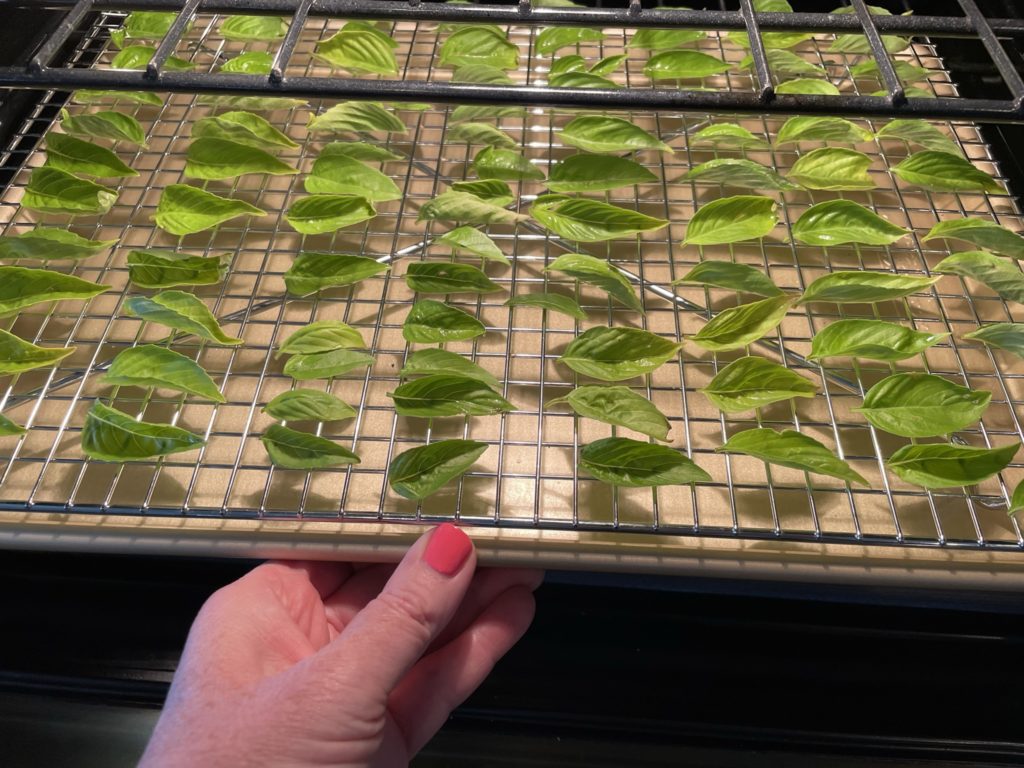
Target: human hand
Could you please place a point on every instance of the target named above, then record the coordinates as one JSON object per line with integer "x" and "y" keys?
{"x": 311, "y": 663}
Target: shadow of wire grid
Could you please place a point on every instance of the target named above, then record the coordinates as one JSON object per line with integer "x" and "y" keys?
{"x": 527, "y": 477}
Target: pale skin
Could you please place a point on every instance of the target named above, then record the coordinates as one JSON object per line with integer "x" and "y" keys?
{"x": 336, "y": 664}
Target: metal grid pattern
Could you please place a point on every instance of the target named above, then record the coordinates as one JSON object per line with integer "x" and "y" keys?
{"x": 527, "y": 478}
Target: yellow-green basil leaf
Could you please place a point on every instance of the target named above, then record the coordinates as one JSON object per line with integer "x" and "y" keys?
{"x": 358, "y": 51}
{"x": 807, "y": 86}
{"x": 356, "y": 117}
{"x": 469, "y": 240}
{"x": 990, "y": 270}
{"x": 732, "y": 277}
{"x": 320, "y": 214}
{"x": 506, "y": 165}
{"x": 17, "y": 355}
{"x": 336, "y": 174}
{"x": 50, "y": 244}
{"x": 737, "y": 172}
{"x": 633, "y": 464}
{"x": 472, "y": 112}
{"x": 180, "y": 311}
{"x": 184, "y": 210}
{"x": 9, "y": 428}
{"x": 728, "y": 136}
{"x": 149, "y": 25}
{"x": 1007, "y": 336}
{"x": 138, "y": 56}
{"x": 312, "y": 272}
{"x": 616, "y": 354}
{"x": 419, "y": 472}
{"x": 590, "y": 221}
{"x": 326, "y": 365}
{"x": 581, "y": 80}
{"x": 949, "y": 466}
{"x": 736, "y": 327}
{"x": 440, "y": 395}
{"x": 493, "y": 191}
{"x": 943, "y": 172}
{"x": 110, "y": 435}
{"x": 249, "y": 63}
{"x": 22, "y": 287}
{"x": 922, "y": 405}
{"x": 166, "y": 269}
{"x": 308, "y": 405}
{"x": 432, "y": 322}
{"x": 446, "y": 277}
{"x": 480, "y": 133}
{"x": 428, "y": 362}
{"x": 731, "y": 219}
{"x": 833, "y": 168}
{"x": 86, "y": 96}
{"x": 599, "y": 272}
{"x": 257, "y": 103}
{"x": 455, "y": 205}
{"x": 243, "y": 128}
{"x": 210, "y": 158}
{"x": 151, "y": 366}
{"x": 479, "y": 45}
{"x": 663, "y": 39}
{"x": 771, "y": 39}
{"x": 253, "y": 28}
{"x": 859, "y": 44}
{"x": 598, "y": 133}
{"x": 905, "y": 71}
{"x": 683, "y": 65}
{"x": 571, "y": 63}
{"x": 753, "y": 382}
{"x": 871, "y": 339}
{"x": 550, "y": 40}
{"x": 836, "y": 222}
{"x": 51, "y": 190}
{"x": 919, "y": 132}
{"x": 112, "y": 126}
{"x": 322, "y": 336}
{"x": 822, "y": 129}
{"x": 358, "y": 150}
{"x": 786, "y": 64}
{"x": 291, "y": 449}
{"x": 481, "y": 73}
{"x": 554, "y": 302}
{"x": 595, "y": 173}
{"x": 371, "y": 28}
{"x": 619, "y": 406}
{"x": 982, "y": 233}
{"x": 864, "y": 287}
{"x": 791, "y": 449}
{"x": 1017, "y": 500}
{"x": 608, "y": 64}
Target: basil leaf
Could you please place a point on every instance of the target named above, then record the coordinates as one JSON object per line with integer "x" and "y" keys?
{"x": 919, "y": 132}
{"x": 371, "y": 28}
{"x": 859, "y": 44}
{"x": 791, "y": 449}
{"x": 1017, "y": 500}
{"x": 356, "y": 117}
{"x": 588, "y": 269}
{"x": 808, "y": 86}
{"x": 50, "y": 243}
{"x": 446, "y": 277}
{"x": 554, "y": 302}
{"x": 786, "y": 64}
{"x": 481, "y": 73}
{"x": 470, "y": 112}
{"x": 683, "y": 65}
{"x": 836, "y": 222}
{"x": 906, "y": 72}
{"x": 633, "y": 464}
{"x": 864, "y": 287}
{"x": 308, "y": 405}
{"x": 731, "y": 219}
{"x": 581, "y": 80}
{"x": 771, "y": 40}
{"x": 995, "y": 273}
{"x": 166, "y": 269}
{"x": 184, "y": 210}
{"x": 151, "y": 366}
{"x": 336, "y": 174}
{"x": 291, "y": 449}
{"x": 138, "y": 56}
{"x": 572, "y": 63}
{"x": 753, "y": 382}
{"x": 17, "y": 355}
{"x": 619, "y": 406}
{"x": 322, "y": 336}
{"x": 312, "y": 272}
{"x": 253, "y": 28}
{"x": 426, "y": 362}
{"x": 728, "y": 135}
{"x": 242, "y": 128}
{"x": 922, "y": 405}
{"x": 358, "y": 51}
{"x": 319, "y": 214}
{"x": 555, "y": 38}
{"x": 73, "y": 155}
{"x": 50, "y": 190}
{"x": 949, "y": 466}
{"x": 431, "y": 322}
{"x": 503, "y": 164}
{"x": 608, "y": 64}
{"x": 358, "y": 150}
{"x": 257, "y": 103}
{"x": 180, "y": 311}
{"x": 616, "y": 354}
{"x": 110, "y": 435}
{"x": 440, "y": 395}
{"x": 736, "y": 327}
{"x": 149, "y": 25}
{"x": 982, "y": 233}
{"x": 213, "y": 159}
{"x": 911, "y": 91}
{"x": 478, "y": 45}
{"x": 833, "y": 168}
{"x": 419, "y": 472}
{"x": 480, "y": 133}
{"x": 454, "y": 205}
{"x": 590, "y": 221}
{"x": 494, "y": 191}
{"x": 732, "y": 277}
{"x": 87, "y": 96}
{"x": 871, "y": 339}
{"x": 22, "y": 287}
{"x": 821, "y": 129}
{"x": 662, "y": 39}
{"x": 594, "y": 173}
{"x": 113, "y": 126}
{"x": 1007, "y": 336}
{"x": 734, "y": 172}
{"x": 9, "y": 428}
{"x": 473, "y": 241}
{"x": 249, "y": 63}
{"x": 602, "y": 134}
{"x": 326, "y": 365}
{"x": 943, "y": 172}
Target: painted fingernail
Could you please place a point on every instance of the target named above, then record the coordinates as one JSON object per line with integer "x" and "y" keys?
{"x": 448, "y": 549}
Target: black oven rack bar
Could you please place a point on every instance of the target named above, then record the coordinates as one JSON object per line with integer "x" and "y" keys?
{"x": 764, "y": 99}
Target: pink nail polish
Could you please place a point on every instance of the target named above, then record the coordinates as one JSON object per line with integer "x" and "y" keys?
{"x": 448, "y": 549}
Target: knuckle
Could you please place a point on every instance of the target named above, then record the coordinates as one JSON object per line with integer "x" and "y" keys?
{"x": 409, "y": 612}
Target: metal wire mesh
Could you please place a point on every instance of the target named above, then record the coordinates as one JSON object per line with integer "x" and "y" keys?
{"x": 528, "y": 477}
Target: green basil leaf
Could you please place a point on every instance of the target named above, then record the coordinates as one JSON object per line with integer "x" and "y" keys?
{"x": 472, "y": 241}
{"x": 312, "y": 272}
{"x": 602, "y": 134}
{"x": 326, "y": 365}
{"x": 149, "y": 25}
{"x": 213, "y": 159}
{"x": 905, "y": 71}
{"x": 356, "y": 117}
{"x": 359, "y": 150}
{"x": 786, "y": 64}
{"x": 555, "y": 38}
{"x": 633, "y": 464}
{"x": 506, "y": 165}
{"x": 683, "y": 65}
{"x": 113, "y": 126}
{"x": 732, "y": 277}
{"x": 440, "y": 395}
{"x": 319, "y": 214}
{"x": 185, "y": 210}
{"x": 1017, "y": 500}
{"x": 554, "y": 302}
{"x": 581, "y": 80}
{"x": 358, "y": 51}
{"x": 833, "y": 168}
{"x": 427, "y": 362}
{"x": 180, "y": 311}
{"x": 138, "y": 56}
{"x": 736, "y": 327}
{"x": 255, "y": 103}
{"x": 87, "y": 96}
{"x": 919, "y": 132}
{"x": 943, "y": 172}
{"x": 982, "y": 233}
{"x": 857, "y": 287}
{"x": 922, "y": 405}
{"x": 753, "y": 382}
{"x": 821, "y": 129}
{"x": 419, "y": 472}
{"x": 455, "y": 205}
{"x": 446, "y": 277}
{"x": 771, "y": 40}
{"x": 599, "y": 272}
{"x": 322, "y": 336}
{"x": 836, "y": 222}
{"x": 17, "y": 355}
{"x": 619, "y": 406}
{"x": 1007, "y": 336}
{"x": 494, "y": 191}
{"x": 336, "y": 174}
{"x": 9, "y": 428}
{"x": 590, "y": 221}
{"x": 249, "y": 63}
{"x": 151, "y": 366}
{"x": 308, "y": 405}
{"x": 480, "y": 133}
{"x": 471, "y": 112}
{"x": 791, "y": 449}
{"x": 50, "y": 243}
{"x": 808, "y": 87}
{"x": 735, "y": 172}
{"x": 859, "y": 44}
{"x": 595, "y": 173}
{"x": 481, "y": 73}
{"x": 608, "y": 64}
{"x": 371, "y": 28}
{"x": 253, "y": 28}
{"x": 479, "y": 45}
{"x": 110, "y": 435}
{"x": 616, "y": 354}
{"x": 51, "y": 190}
{"x": 871, "y": 339}
{"x": 571, "y": 63}
{"x": 728, "y": 135}
{"x": 166, "y": 269}
{"x": 432, "y": 322}
{"x": 663, "y": 39}
{"x": 949, "y": 466}
{"x": 242, "y": 128}
{"x": 990, "y": 270}
{"x": 22, "y": 287}
{"x": 73, "y": 155}
{"x": 291, "y": 449}
{"x": 731, "y": 219}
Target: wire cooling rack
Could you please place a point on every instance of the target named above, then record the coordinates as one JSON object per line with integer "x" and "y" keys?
{"x": 527, "y": 478}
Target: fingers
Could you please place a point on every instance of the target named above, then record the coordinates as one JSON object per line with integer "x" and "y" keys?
{"x": 325, "y": 577}
{"x": 487, "y": 584}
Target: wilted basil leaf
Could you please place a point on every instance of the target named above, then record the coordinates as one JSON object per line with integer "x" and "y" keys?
{"x": 922, "y": 405}
{"x": 943, "y": 172}
{"x": 110, "y": 435}
{"x": 590, "y": 221}
{"x": 736, "y": 172}
{"x": 473, "y": 241}
{"x": 595, "y": 173}
{"x": 113, "y": 126}
{"x": 662, "y": 39}
{"x": 506, "y": 165}
{"x": 336, "y": 174}
{"x": 478, "y": 45}
{"x": 949, "y": 466}
{"x": 979, "y": 232}
{"x": 166, "y": 269}
{"x": 456, "y": 205}
{"x": 821, "y": 129}
{"x": 359, "y": 50}
{"x": 249, "y": 63}
{"x": 919, "y": 132}
{"x": 619, "y": 406}
{"x": 1008, "y": 336}
{"x": 325, "y": 365}
{"x": 905, "y": 71}
{"x": 151, "y": 366}
{"x": 833, "y": 168}
{"x": 180, "y": 311}
{"x": 50, "y": 190}
{"x": 253, "y": 28}
{"x": 786, "y": 64}
{"x": 184, "y": 210}
{"x": 320, "y": 214}
{"x": 550, "y": 40}
{"x": 598, "y": 133}
{"x": 148, "y": 25}
{"x": 312, "y": 272}
{"x": 480, "y": 133}
{"x": 440, "y": 395}
{"x": 732, "y": 277}
{"x": 308, "y": 405}
{"x": 50, "y": 243}
{"x": 683, "y": 65}
{"x": 419, "y": 472}
{"x": 291, "y": 449}
{"x": 589, "y": 269}
{"x": 76, "y": 156}
{"x": 212, "y": 158}
{"x": 728, "y": 135}
{"x": 244, "y": 128}
{"x": 864, "y": 287}
{"x": 86, "y": 96}
{"x": 257, "y": 103}
{"x": 808, "y": 86}
{"x": 427, "y": 362}
{"x": 322, "y": 336}
{"x": 736, "y": 327}
{"x": 9, "y": 428}
{"x": 731, "y": 219}
{"x": 446, "y": 277}
{"x": 753, "y": 382}
{"x": 616, "y": 354}
{"x": 431, "y": 322}
{"x": 138, "y": 56}
{"x": 481, "y": 73}
{"x": 791, "y": 449}
{"x": 22, "y": 287}
{"x": 633, "y": 464}
{"x": 358, "y": 150}
{"x": 992, "y": 271}
{"x": 836, "y": 222}
{"x": 554, "y": 302}
{"x": 356, "y": 117}
{"x": 871, "y": 339}
{"x": 17, "y": 355}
